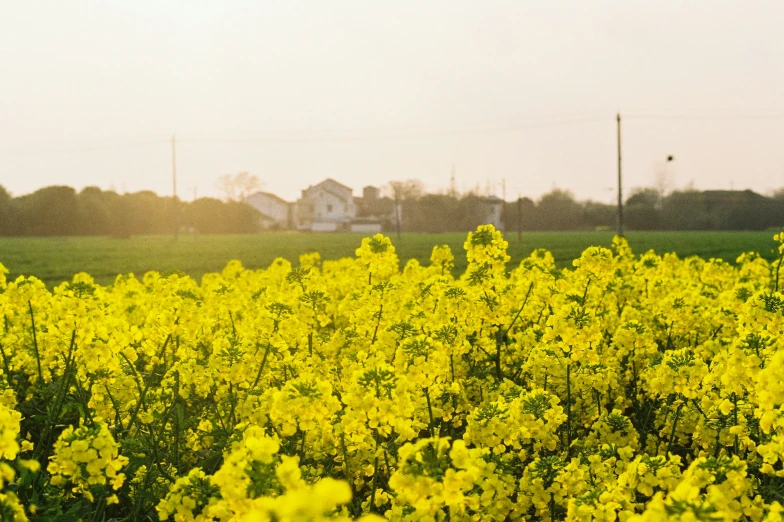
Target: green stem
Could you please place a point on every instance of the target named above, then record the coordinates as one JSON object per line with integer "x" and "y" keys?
{"x": 302, "y": 448}
{"x": 431, "y": 426}
{"x": 81, "y": 395}
{"x": 378, "y": 323}
{"x": 233, "y": 327}
{"x": 585, "y": 293}
{"x": 345, "y": 460}
{"x": 99, "y": 509}
{"x": 261, "y": 368}
{"x": 527, "y": 295}
{"x": 157, "y": 459}
{"x": 5, "y": 364}
{"x": 735, "y": 418}
{"x": 501, "y": 339}
{"x": 372, "y": 506}
{"x": 178, "y": 413}
{"x": 117, "y": 417}
{"x": 569, "y": 409}
{"x": 54, "y": 414}
{"x": 142, "y": 394}
{"x": 35, "y": 344}
{"x": 672, "y": 431}
{"x": 139, "y": 380}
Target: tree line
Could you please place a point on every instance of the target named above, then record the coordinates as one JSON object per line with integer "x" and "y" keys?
{"x": 645, "y": 209}
{"x": 648, "y": 209}
{"x": 62, "y": 211}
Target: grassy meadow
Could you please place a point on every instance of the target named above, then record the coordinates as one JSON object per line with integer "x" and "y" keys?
{"x": 54, "y": 260}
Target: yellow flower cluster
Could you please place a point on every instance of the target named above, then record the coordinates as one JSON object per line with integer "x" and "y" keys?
{"x": 627, "y": 387}
{"x": 255, "y": 483}
{"x": 10, "y": 506}
{"x": 9, "y": 432}
{"x": 85, "y": 457}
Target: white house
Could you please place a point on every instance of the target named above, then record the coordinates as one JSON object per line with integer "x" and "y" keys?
{"x": 276, "y": 212}
{"x": 326, "y": 207}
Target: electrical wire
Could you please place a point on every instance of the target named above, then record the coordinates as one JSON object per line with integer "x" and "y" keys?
{"x": 681, "y": 117}
{"x": 410, "y": 134}
{"x": 393, "y": 136}
{"x": 370, "y": 135}
{"x": 81, "y": 148}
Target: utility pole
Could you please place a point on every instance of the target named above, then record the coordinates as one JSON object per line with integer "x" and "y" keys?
{"x": 620, "y": 186}
{"x": 519, "y": 217}
{"x": 175, "y": 206}
{"x": 397, "y": 213}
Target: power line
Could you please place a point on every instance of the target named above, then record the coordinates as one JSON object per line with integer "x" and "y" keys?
{"x": 397, "y": 135}
{"x": 283, "y": 136}
{"x": 371, "y": 136}
{"x": 81, "y": 148}
{"x": 725, "y": 117}
{"x": 620, "y": 187}
{"x": 530, "y": 120}
{"x": 175, "y": 203}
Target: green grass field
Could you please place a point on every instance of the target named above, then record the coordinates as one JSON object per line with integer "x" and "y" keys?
{"x": 57, "y": 259}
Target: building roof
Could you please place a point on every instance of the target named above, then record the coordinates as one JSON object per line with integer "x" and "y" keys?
{"x": 338, "y": 183}
{"x": 342, "y": 197}
{"x": 333, "y": 181}
{"x": 269, "y": 195}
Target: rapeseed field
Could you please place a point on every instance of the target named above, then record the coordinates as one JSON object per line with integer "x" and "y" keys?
{"x": 631, "y": 387}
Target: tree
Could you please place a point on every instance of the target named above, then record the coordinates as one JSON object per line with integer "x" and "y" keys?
{"x": 557, "y": 210}
{"x": 643, "y": 209}
{"x": 519, "y": 215}
{"x": 50, "y": 211}
{"x": 400, "y": 191}
{"x": 685, "y": 210}
{"x": 145, "y": 212}
{"x": 239, "y": 186}
{"x": 213, "y": 216}
{"x": 8, "y": 221}
{"x": 471, "y": 211}
{"x": 598, "y": 215}
{"x": 410, "y": 189}
{"x": 430, "y": 213}
{"x": 95, "y": 211}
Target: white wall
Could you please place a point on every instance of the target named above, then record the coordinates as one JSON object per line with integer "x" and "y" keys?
{"x": 329, "y": 208}
{"x": 326, "y": 203}
{"x": 494, "y": 216}
{"x": 366, "y": 228}
{"x": 272, "y": 207}
{"x": 324, "y": 227}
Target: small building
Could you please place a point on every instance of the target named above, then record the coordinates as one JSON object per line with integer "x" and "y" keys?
{"x": 326, "y": 207}
{"x": 493, "y": 206}
{"x": 374, "y": 212}
{"x": 276, "y": 212}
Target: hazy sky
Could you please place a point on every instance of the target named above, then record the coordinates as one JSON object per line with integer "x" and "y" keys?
{"x": 369, "y": 91}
